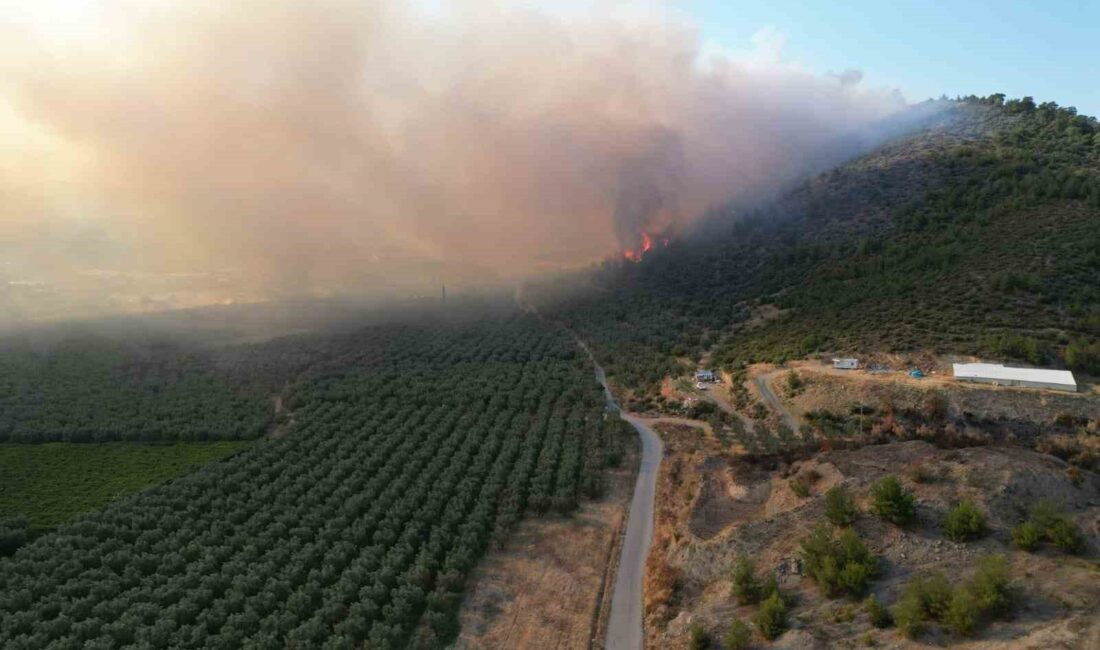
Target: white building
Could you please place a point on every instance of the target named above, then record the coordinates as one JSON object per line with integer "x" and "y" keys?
{"x": 706, "y": 375}
{"x": 995, "y": 373}
{"x": 846, "y": 364}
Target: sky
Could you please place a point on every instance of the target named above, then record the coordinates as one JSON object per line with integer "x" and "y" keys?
{"x": 169, "y": 153}
{"x": 1049, "y": 50}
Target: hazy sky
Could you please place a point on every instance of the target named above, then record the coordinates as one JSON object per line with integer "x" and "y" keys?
{"x": 166, "y": 153}
{"x": 1049, "y": 49}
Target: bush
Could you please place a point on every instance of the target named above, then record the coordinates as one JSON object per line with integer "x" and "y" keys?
{"x": 879, "y": 615}
{"x": 1066, "y": 536}
{"x": 738, "y": 637}
{"x": 800, "y": 486}
{"x": 1027, "y": 536}
{"x": 920, "y": 473}
{"x": 892, "y": 502}
{"x": 840, "y": 509}
{"x": 839, "y": 566}
{"x": 699, "y": 637}
{"x": 909, "y": 617}
{"x": 771, "y": 618}
{"x": 963, "y": 608}
{"x": 991, "y": 585}
{"x": 965, "y": 522}
{"x": 746, "y": 587}
{"x": 1047, "y": 523}
{"x": 962, "y": 615}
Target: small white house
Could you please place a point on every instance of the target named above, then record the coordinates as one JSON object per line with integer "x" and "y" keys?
{"x": 846, "y": 364}
{"x": 995, "y": 373}
{"x": 706, "y": 375}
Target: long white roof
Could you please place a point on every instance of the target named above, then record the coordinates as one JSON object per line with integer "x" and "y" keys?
{"x": 997, "y": 371}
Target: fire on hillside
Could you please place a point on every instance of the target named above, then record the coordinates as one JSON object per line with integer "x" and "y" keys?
{"x": 648, "y": 243}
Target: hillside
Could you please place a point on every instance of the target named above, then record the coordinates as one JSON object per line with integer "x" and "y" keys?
{"x": 979, "y": 234}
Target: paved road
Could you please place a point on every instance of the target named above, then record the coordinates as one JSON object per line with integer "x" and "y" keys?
{"x": 763, "y": 384}
{"x": 624, "y": 624}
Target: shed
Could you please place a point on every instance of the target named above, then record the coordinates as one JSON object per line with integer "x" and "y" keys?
{"x": 846, "y": 364}
{"x": 706, "y": 375}
{"x": 995, "y": 373}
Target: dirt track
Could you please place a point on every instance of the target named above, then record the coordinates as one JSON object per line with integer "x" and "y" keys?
{"x": 763, "y": 385}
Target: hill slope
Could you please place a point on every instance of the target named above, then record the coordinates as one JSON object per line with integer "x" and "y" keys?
{"x": 979, "y": 234}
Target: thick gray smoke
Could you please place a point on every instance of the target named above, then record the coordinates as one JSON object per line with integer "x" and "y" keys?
{"x": 157, "y": 154}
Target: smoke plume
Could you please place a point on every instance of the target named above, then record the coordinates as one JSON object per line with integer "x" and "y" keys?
{"x": 158, "y": 154}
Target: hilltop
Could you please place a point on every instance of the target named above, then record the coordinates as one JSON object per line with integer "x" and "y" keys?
{"x": 978, "y": 234}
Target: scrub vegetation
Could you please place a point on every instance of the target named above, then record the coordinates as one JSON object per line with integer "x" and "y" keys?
{"x": 980, "y": 235}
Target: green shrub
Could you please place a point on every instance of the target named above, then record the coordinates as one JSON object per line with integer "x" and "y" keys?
{"x": 965, "y": 522}
{"x": 963, "y": 613}
{"x": 771, "y": 618}
{"x": 879, "y": 615}
{"x": 746, "y": 587}
{"x": 1066, "y": 536}
{"x": 800, "y": 486}
{"x": 738, "y": 636}
{"x": 991, "y": 585}
{"x": 699, "y": 638}
{"x": 963, "y": 608}
{"x": 908, "y": 615}
{"x": 934, "y": 594}
{"x": 892, "y": 502}
{"x": 840, "y": 509}
{"x": 1027, "y": 536}
{"x": 1047, "y": 523}
{"x": 838, "y": 565}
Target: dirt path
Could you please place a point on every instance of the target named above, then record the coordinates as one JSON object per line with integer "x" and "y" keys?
{"x": 698, "y": 424}
{"x": 763, "y": 384}
{"x": 716, "y": 396}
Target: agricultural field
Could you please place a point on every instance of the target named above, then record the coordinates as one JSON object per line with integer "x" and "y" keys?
{"x": 51, "y": 483}
{"x": 408, "y": 450}
{"x": 96, "y": 390}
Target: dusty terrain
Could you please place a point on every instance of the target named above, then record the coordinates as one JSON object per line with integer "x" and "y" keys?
{"x": 714, "y": 508}
{"x": 545, "y": 589}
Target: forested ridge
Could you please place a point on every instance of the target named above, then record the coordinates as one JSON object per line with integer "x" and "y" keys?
{"x": 979, "y": 235}
{"x": 409, "y": 452}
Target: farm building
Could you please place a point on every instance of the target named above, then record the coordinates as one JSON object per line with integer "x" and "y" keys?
{"x": 846, "y": 364}
{"x": 995, "y": 373}
{"x": 706, "y": 375}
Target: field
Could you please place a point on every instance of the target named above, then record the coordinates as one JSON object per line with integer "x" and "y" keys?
{"x": 51, "y": 483}
{"x": 408, "y": 449}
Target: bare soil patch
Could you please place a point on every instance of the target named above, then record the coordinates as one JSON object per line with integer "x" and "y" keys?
{"x": 545, "y": 588}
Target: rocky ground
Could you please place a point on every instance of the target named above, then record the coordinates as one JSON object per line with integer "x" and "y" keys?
{"x": 727, "y": 508}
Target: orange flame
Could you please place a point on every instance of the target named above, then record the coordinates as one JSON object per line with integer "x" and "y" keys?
{"x": 635, "y": 255}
